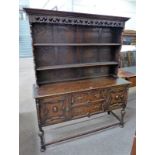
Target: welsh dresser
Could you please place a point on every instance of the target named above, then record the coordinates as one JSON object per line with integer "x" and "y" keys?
{"x": 76, "y": 60}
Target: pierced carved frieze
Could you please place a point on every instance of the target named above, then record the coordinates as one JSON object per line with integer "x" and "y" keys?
{"x": 75, "y": 21}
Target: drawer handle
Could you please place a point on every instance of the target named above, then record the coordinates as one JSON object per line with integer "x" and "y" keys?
{"x": 116, "y": 96}
{"x": 72, "y": 101}
{"x": 55, "y": 109}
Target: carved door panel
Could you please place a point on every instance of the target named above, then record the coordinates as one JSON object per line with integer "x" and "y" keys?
{"x": 52, "y": 110}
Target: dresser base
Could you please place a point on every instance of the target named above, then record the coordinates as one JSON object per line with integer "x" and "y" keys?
{"x": 120, "y": 123}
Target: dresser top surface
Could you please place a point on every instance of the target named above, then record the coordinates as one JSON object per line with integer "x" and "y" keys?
{"x": 32, "y": 11}
{"x": 77, "y": 86}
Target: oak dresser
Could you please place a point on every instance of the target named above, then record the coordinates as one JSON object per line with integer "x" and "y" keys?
{"x": 76, "y": 60}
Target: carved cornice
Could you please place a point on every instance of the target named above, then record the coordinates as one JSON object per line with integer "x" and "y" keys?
{"x": 75, "y": 21}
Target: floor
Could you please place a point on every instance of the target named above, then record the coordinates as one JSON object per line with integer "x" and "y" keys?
{"x": 114, "y": 141}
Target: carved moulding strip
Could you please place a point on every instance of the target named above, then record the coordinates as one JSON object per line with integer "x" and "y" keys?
{"x": 75, "y": 21}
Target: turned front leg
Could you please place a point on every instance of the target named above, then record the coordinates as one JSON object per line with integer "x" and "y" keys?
{"x": 42, "y": 140}
{"x": 122, "y": 117}
{"x": 108, "y": 112}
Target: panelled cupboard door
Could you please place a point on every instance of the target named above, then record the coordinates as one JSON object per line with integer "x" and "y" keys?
{"x": 52, "y": 110}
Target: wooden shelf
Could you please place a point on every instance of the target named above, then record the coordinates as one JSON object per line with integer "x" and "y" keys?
{"x": 75, "y": 79}
{"x": 77, "y": 44}
{"x": 77, "y": 65}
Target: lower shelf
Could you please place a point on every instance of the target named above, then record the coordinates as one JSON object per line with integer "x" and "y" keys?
{"x": 75, "y": 79}
{"x": 77, "y": 65}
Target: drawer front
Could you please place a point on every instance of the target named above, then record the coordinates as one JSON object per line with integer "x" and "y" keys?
{"x": 88, "y": 103}
{"x": 81, "y": 97}
{"x": 52, "y": 110}
{"x": 88, "y": 96}
{"x": 118, "y": 97}
{"x": 80, "y": 111}
{"x": 98, "y": 94}
{"x": 89, "y": 108}
{"x": 99, "y": 100}
{"x": 98, "y": 106}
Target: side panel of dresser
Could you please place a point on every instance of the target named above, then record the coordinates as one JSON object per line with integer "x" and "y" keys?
{"x": 61, "y": 108}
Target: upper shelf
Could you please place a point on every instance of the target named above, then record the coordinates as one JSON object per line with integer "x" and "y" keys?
{"x": 77, "y": 44}
{"x": 65, "y": 66}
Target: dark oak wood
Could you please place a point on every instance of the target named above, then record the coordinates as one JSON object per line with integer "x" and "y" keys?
{"x": 76, "y": 59}
{"x": 78, "y": 65}
{"x": 40, "y": 12}
{"x": 77, "y": 86}
{"x": 76, "y": 99}
{"x": 77, "y": 44}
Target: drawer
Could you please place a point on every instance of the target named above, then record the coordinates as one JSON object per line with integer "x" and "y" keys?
{"x": 116, "y": 105}
{"x": 88, "y": 103}
{"x": 52, "y": 110}
{"x": 78, "y": 98}
{"x": 85, "y": 97}
{"x": 97, "y": 94}
{"x": 79, "y": 111}
{"x": 118, "y": 97}
{"x": 89, "y": 108}
{"x": 98, "y": 106}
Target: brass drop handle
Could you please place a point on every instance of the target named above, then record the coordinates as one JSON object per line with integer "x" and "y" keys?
{"x": 55, "y": 109}
{"x": 116, "y": 96}
{"x": 72, "y": 101}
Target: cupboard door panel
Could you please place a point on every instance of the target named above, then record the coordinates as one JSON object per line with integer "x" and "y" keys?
{"x": 52, "y": 110}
